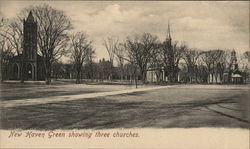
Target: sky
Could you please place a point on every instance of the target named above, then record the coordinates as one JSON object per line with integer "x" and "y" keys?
{"x": 202, "y": 25}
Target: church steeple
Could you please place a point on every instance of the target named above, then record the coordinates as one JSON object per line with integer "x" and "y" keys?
{"x": 30, "y": 17}
{"x": 168, "y": 37}
{"x": 168, "y": 33}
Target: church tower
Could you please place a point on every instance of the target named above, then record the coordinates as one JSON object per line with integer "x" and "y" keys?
{"x": 169, "y": 38}
{"x": 30, "y": 47}
{"x": 234, "y": 61}
{"x": 30, "y": 37}
{"x": 31, "y": 67}
{"x": 171, "y": 68}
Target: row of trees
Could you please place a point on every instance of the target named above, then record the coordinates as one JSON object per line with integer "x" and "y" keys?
{"x": 94, "y": 71}
{"x": 145, "y": 51}
{"x": 194, "y": 67}
{"x": 206, "y": 66}
{"x": 133, "y": 56}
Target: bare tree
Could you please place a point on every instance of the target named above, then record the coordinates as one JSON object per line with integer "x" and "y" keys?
{"x": 139, "y": 49}
{"x": 81, "y": 49}
{"x": 6, "y": 51}
{"x": 172, "y": 56}
{"x": 52, "y": 35}
{"x": 156, "y": 61}
{"x": 105, "y": 69}
{"x": 191, "y": 57}
{"x": 219, "y": 65}
{"x": 212, "y": 58}
{"x": 246, "y": 55}
{"x": 58, "y": 70}
{"x": 13, "y": 34}
{"x": 129, "y": 72}
{"x": 120, "y": 53}
{"x": 111, "y": 44}
{"x": 208, "y": 60}
{"x": 244, "y": 65}
{"x": 149, "y": 43}
{"x": 202, "y": 72}
{"x": 132, "y": 48}
{"x": 90, "y": 63}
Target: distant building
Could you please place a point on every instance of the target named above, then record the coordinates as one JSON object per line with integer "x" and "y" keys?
{"x": 160, "y": 74}
{"x": 32, "y": 62}
{"x": 235, "y": 77}
{"x": 231, "y": 75}
{"x": 156, "y": 75}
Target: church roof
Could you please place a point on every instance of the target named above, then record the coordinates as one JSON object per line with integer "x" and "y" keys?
{"x": 236, "y": 71}
{"x": 30, "y": 17}
{"x": 236, "y": 76}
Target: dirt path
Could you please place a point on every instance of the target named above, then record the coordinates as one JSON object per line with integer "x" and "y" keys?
{"x": 25, "y": 102}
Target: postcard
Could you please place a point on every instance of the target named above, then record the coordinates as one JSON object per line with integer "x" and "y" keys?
{"x": 124, "y": 74}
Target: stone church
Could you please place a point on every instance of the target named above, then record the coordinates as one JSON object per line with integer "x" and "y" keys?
{"x": 30, "y": 60}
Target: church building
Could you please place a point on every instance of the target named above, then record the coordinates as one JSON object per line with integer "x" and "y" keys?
{"x": 160, "y": 73}
{"x": 29, "y": 59}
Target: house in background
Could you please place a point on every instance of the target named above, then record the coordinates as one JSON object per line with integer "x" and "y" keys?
{"x": 156, "y": 75}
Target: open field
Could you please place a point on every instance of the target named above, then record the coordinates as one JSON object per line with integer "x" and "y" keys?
{"x": 166, "y": 107}
{"x": 17, "y": 91}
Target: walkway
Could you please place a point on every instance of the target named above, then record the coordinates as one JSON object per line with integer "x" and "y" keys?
{"x": 54, "y": 99}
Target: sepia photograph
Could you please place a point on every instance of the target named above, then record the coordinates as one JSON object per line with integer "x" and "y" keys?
{"x": 91, "y": 67}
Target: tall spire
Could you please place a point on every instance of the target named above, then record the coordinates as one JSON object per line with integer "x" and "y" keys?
{"x": 168, "y": 32}
{"x": 30, "y": 17}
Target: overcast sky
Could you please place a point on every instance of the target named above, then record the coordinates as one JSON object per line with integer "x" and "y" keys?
{"x": 203, "y": 25}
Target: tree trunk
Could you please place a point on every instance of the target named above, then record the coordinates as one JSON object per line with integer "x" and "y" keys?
{"x": 212, "y": 78}
{"x": 48, "y": 73}
{"x": 174, "y": 76}
{"x": 1, "y": 66}
{"x": 22, "y": 69}
{"x": 48, "y": 76}
{"x": 111, "y": 74}
{"x": 208, "y": 78}
{"x": 78, "y": 75}
{"x": 144, "y": 77}
{"x": 158, "y": 75}
{"x": 47, "y": 66}
{"x": 196, "y": 77}
{"x": 136, "y": 78}
{"x": 229, "y": 76}
{"x": 216, "y": 76}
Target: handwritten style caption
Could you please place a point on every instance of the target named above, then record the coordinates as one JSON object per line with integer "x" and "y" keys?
{"x": 72, "y": 134}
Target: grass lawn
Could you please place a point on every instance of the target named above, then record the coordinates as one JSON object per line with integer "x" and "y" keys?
{"x": 178, "y": 106}
{"x": 16, "y": 91}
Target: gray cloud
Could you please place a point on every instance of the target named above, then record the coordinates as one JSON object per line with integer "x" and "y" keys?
{"x": 204, "y": 25}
